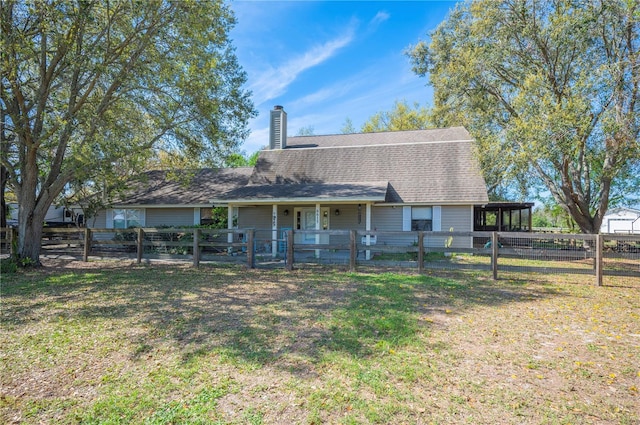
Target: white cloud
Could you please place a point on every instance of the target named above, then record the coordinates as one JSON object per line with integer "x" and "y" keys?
{"x": 258, "y": 139}
{"x": 378, "y": 19}
{"x": 274, "y": 81}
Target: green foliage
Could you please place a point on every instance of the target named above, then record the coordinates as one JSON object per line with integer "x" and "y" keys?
{"x": 92, "y": 90}
{"x": 220, "y": 218}
{"x": 8, "y": 265}
{"x": 306, "y": 131}
{"x": 12, "y": 264}
{"x": 253, "y": 159}
{"x": 347, "y": 127}
{"x": 552, "y": 215}
{"x": 550, "y": 92}
{"x": 401, "y": 117}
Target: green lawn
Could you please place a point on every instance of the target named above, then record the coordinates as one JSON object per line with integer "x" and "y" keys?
{"x": 119, "y": 343}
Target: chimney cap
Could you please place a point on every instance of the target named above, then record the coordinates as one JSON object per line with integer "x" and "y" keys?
{"x": 278, "y": 108}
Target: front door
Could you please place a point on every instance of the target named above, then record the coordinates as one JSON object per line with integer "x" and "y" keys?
{"x": 306, "y": 220}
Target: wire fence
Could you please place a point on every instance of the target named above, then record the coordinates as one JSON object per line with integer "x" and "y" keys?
{"x": 494, "y": 252}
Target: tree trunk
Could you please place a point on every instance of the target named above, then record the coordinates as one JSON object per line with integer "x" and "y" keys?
{"x": 4, "y": 175}
{"x": 30, "y": 239}
{"x": 32, "y": 212}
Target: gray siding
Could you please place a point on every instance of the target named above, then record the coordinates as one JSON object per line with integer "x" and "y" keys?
{"x": 174, "y": 217}
{"x": 461, "y": 219}
{"x": 390, "y": 219}
{"x": 255, "y": 217}
{"x": 99, "y": 221}
{"x": 458, "y": 217}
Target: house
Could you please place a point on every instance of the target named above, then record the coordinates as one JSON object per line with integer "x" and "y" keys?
{"x": 621, "y": 220}
{"x": 389, "y": 181}
{"x": 160, "y": 199}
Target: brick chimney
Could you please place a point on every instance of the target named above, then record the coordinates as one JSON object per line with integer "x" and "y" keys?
{"x": 278, "y": 128}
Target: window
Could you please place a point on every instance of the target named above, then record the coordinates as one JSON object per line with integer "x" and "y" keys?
{"x": 126, "y": 218}
{"x": 421, "y": 219}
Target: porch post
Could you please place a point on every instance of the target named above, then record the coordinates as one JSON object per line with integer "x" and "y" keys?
{"x": 274, "y": 230}
{"x": 318, "y": 214}
{"x": 230, "y": 223}
{"x": 368, "y": 229}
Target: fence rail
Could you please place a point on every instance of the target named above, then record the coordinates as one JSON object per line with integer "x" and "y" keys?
{"x": 596, "y": 255}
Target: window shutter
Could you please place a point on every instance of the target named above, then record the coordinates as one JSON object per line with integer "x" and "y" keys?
{"x": 406, "y": 219}
{"x": 437, "y": 218}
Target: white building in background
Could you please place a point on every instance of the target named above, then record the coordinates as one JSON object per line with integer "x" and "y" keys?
{"x": 621, "y": 220}
{"x": 56, "y": 215}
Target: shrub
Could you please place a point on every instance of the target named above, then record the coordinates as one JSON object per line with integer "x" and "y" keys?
{"x": 8, "y": 265}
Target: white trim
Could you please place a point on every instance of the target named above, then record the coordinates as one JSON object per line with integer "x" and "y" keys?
{"x": 303, "y": 200}
{"x": 274, "y": 230}
{"x": 406, "y": 218}
{"x": 318, "y": 227}
{"x": 375, "y": 202}
{"x": 436, "y": 218}
{"x": 154, "y": 206}
{"x": 230, "y": 209}
{"x": 109, "y": 219}
{"x": 368, "y": 228}
{"x": 196, "y": 216}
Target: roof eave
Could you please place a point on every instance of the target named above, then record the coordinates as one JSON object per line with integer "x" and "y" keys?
{"x": 319, "y": 199}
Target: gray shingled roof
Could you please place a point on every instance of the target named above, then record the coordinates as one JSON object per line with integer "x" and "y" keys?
{"x": 422, "y": 166}
{"x": 355, "y": 191}
{"x": 381, "y": 138}
{"x": 156, "y": 188}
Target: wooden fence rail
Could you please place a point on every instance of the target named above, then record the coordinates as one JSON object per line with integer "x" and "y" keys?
{"x": 574, "y": 251}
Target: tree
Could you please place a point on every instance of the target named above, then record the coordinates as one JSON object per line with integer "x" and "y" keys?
{"x": 552, "y": 215}
{"x": 401, "y": 117}
{"x": 347, "y": 127}
{"x": 92, "y": 88}
{"x": 305, "y": 131}
{"x": 549, "y": 89}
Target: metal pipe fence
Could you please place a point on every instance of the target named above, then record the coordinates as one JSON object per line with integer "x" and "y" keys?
{"x": 495, "y": 252}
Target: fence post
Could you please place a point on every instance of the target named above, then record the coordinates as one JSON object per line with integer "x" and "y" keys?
{"x": 250, "y": 259}
{"x": 140, "y": 247}
{"x": 420, "y": 252}
{"x": 598, "y": 259}
{"x": 353, "y": 250}
{"x": 196, "y": 247}
{"x": 87, "y": 244}
{"x": 289, "y": 236}
{"x": 494, "y": 254}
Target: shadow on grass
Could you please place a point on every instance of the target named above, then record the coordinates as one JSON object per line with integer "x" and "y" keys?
{"x": 248, "y": 317}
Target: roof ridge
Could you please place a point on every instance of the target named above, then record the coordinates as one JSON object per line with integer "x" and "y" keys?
{"x": 378, "y": 132}
{"x": 429, "y": 142}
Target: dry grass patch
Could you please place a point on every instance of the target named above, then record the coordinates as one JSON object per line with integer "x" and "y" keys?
{"x": 121, "y": 343}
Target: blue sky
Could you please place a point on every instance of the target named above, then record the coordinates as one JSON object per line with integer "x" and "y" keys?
{"x": 326, "y": 61}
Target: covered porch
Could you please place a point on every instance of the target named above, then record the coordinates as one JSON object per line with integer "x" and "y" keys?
{"x": 312, "y": 222}
{"x": 502, "y": 217}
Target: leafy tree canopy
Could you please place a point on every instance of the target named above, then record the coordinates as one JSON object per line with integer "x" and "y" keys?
{"x": 402, "y": 117}
{"x": 306, "y": 131}
{"x": 92, "y": 88}
{"x": 549, "y": 89}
